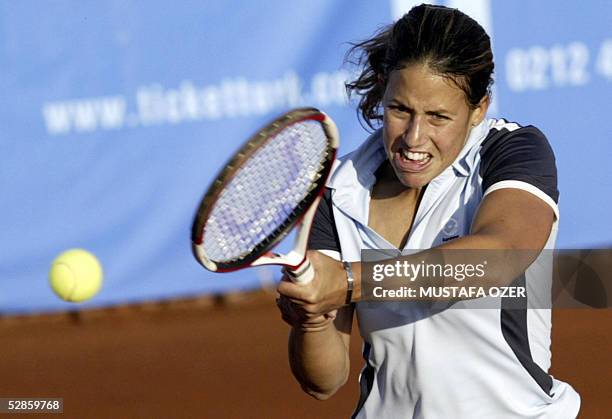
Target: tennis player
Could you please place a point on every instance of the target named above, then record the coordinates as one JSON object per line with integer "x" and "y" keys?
{"x": 435, "y": 174}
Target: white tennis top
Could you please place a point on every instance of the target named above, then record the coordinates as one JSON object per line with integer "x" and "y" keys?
{"x": 450, "y": 363}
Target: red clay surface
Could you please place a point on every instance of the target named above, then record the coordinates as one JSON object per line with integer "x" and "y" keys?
{"x": 197, "y": 360}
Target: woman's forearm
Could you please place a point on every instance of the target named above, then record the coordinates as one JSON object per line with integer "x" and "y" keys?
{"x": 319, "y": 360}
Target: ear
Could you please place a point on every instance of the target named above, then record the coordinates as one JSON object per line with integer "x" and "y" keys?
{"x": 480, "y": 111}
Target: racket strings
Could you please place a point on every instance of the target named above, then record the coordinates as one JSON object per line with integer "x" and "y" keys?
{"x": 263, "y": 195}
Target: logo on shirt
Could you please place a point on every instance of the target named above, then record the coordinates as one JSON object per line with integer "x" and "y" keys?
{"x": 450, "y": 230}
{"x": 451, "y": 227}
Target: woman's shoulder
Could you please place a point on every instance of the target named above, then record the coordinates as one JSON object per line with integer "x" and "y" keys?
{"x": 508, "y": 131}
{"x": 512, "y": 140}
{"x": 512, "y": 152}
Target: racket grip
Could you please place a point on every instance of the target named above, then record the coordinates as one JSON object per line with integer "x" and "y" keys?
{"x": 303, "y": 274}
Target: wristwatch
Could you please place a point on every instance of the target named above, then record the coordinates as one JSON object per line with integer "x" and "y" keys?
{"x": 350, "y": 279}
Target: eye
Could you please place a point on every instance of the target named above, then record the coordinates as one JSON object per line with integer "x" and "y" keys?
{"x": 439, "y": 118}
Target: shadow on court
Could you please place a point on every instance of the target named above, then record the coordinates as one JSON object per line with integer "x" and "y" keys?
{"x": 211, "y": 359}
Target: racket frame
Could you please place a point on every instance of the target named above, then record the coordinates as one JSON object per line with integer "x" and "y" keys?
{"x": 302, "y": 215}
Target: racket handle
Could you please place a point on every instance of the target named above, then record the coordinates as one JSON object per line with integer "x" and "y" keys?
{"x": 303, "y": 274}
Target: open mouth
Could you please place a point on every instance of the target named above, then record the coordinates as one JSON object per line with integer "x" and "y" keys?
{"x": 410, "y": 161}
{"x": 420, "y": 158}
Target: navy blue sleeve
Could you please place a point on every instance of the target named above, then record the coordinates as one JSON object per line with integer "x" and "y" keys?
{"x": 523, "y": 155}
{"x": 323, "y": 234}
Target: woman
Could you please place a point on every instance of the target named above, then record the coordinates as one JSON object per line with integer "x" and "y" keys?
{"x": 436, "y": 175}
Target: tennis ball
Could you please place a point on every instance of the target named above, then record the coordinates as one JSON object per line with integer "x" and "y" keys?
{"x": 75, "y": 275}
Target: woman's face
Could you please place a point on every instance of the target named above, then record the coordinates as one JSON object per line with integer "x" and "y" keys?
{"x": 426, "y": 122}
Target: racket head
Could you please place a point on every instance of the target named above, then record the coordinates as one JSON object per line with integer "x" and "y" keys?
{"x": 242, "y": 217}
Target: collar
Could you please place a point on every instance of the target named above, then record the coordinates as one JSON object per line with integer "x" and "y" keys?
{"x": 464, "y": 163}
{"x": 353, "y": 177}
{"x": 360, "y": 165}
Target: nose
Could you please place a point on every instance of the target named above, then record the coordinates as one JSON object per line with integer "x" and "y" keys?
{"x": 415, "y": 132}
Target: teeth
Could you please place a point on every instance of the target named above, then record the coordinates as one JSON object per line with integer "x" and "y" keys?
{"x": 415, "y": 156}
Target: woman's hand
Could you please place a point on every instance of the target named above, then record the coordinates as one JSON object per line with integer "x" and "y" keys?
{"x": 294, "y": 316}
{"x": 313, "y": 305}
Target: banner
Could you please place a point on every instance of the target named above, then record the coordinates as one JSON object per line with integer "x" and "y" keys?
{"x": 116, "y": 116}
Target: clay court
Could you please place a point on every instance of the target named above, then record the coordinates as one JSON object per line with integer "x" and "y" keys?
{"x": 222, "y": 358}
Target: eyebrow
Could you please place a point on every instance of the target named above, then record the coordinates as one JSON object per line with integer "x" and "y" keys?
{"x": 438, "y": 111}
{"x": 397, "y": 102}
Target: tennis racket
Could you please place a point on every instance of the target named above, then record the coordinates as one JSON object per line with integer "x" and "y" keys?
{"x": 272, "y": 184}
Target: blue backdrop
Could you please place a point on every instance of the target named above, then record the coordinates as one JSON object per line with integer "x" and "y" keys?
{"x": 116, "y": 114}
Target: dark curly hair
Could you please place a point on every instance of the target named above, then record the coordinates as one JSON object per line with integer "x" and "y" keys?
{"x": 448, "y": 41}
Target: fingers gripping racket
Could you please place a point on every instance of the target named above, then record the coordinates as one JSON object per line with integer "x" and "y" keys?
{"x": 271, "y": 184}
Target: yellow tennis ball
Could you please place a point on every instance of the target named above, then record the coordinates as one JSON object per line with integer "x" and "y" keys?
{"x": 75, "y": 275}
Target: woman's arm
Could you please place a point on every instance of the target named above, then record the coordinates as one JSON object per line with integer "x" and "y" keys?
{"x": 508, "y": 220}
{"x": 318, "y": 345}
{"x": 319, "y": 357}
